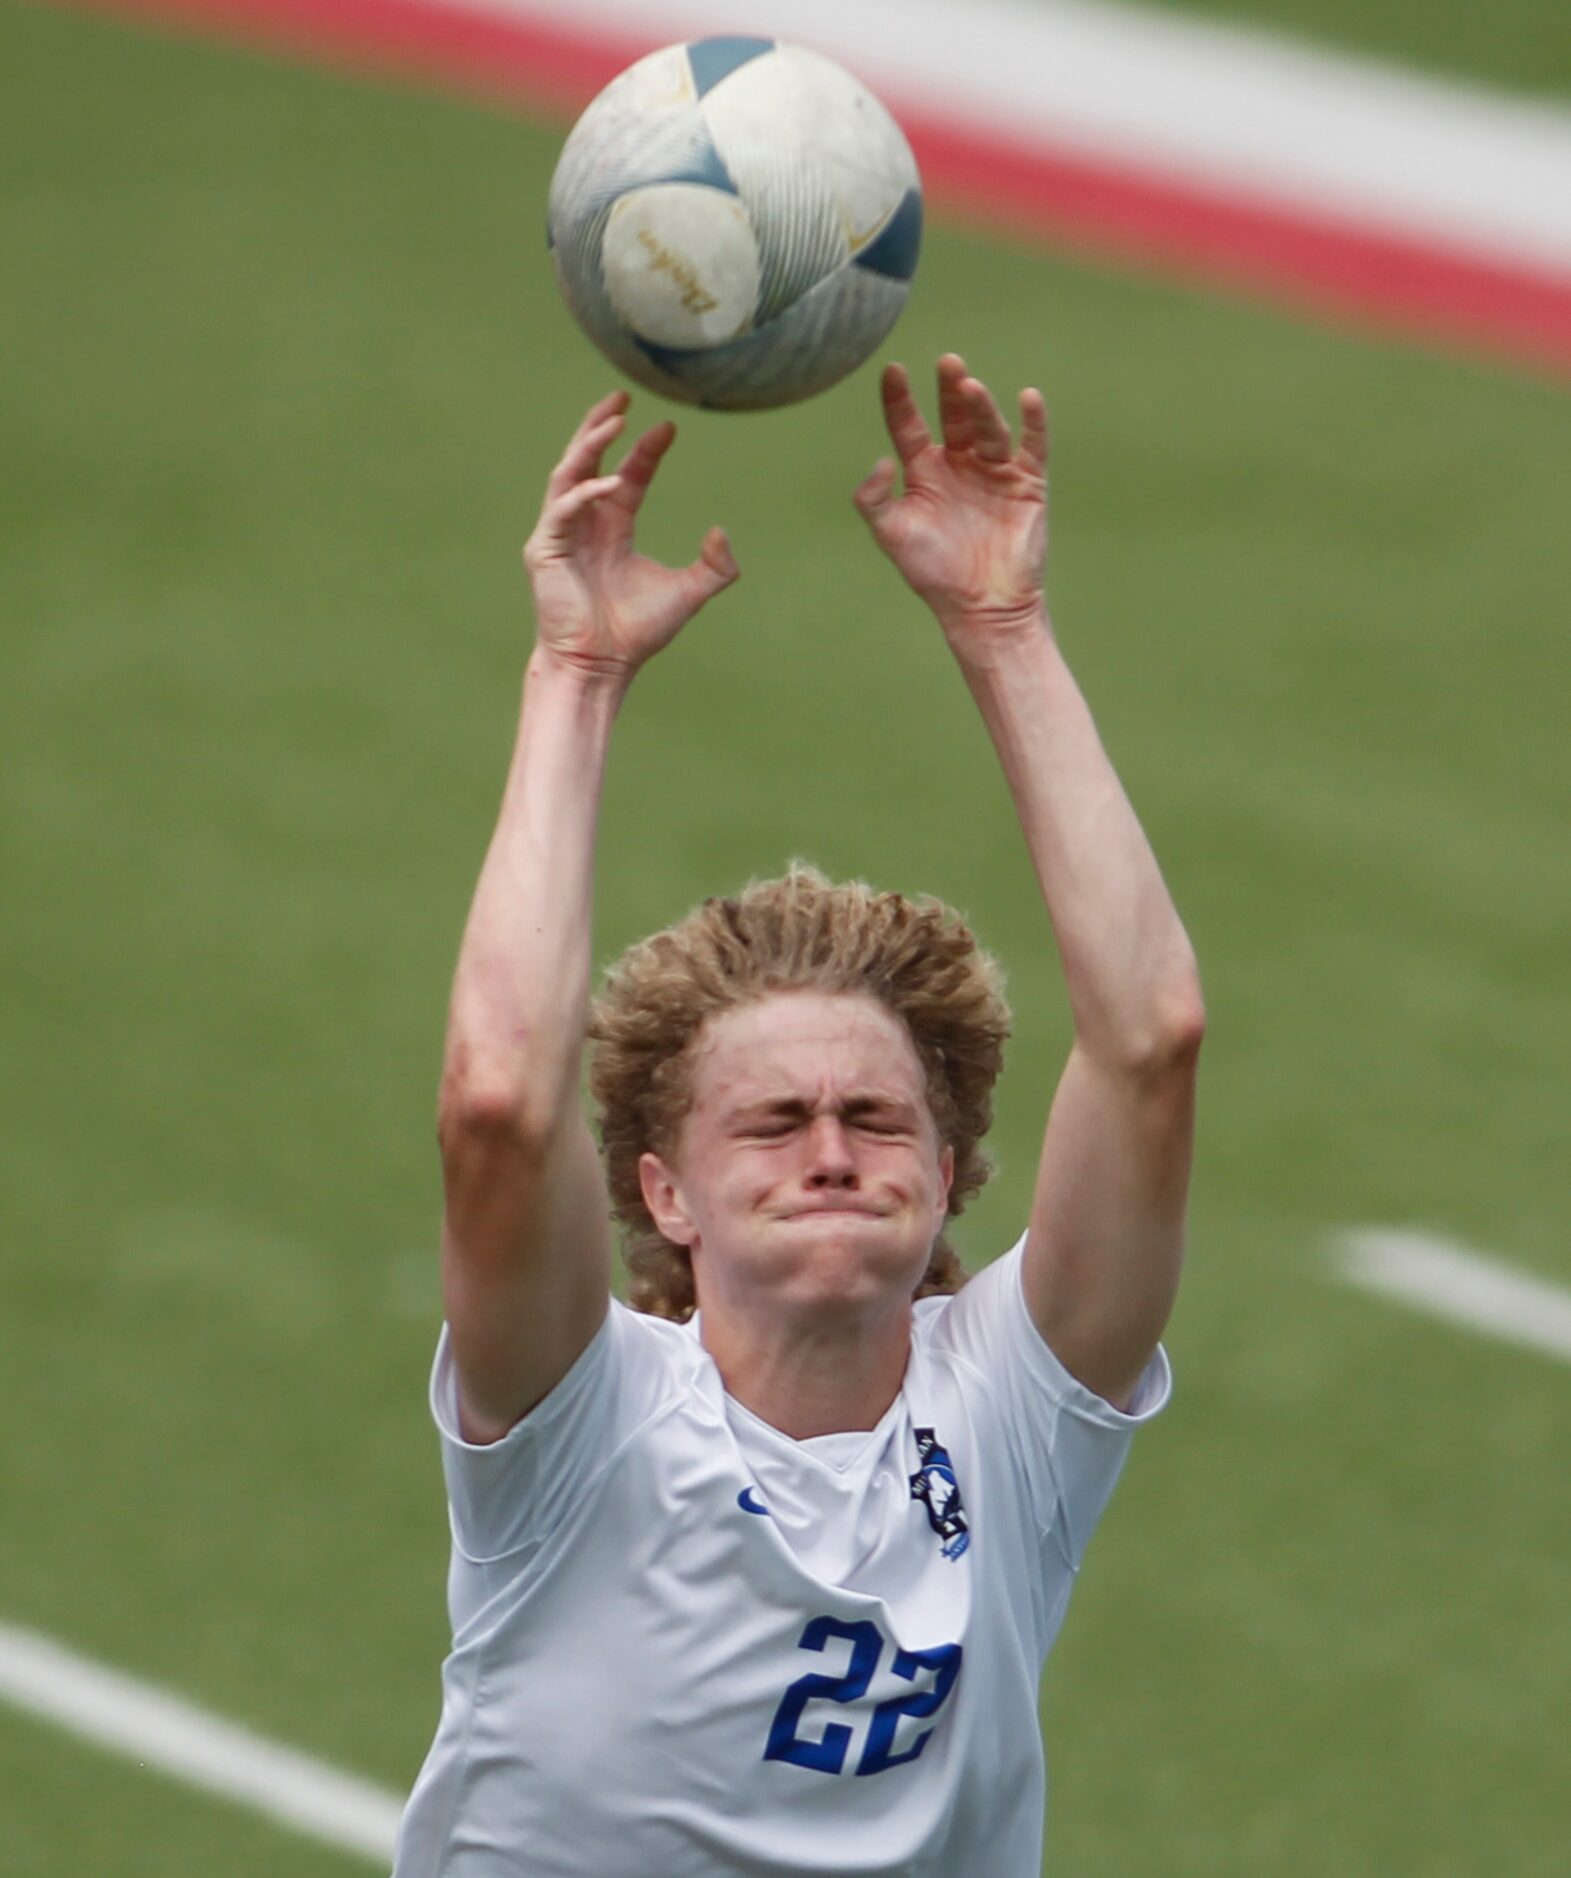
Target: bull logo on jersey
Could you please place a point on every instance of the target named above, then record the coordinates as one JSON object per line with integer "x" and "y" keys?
{"x": 934, "y": 1484}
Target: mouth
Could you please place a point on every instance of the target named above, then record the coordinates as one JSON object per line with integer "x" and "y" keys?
{"x": 835, "y": 1212}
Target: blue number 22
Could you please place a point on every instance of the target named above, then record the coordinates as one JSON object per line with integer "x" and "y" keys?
{"x": 827, "y": 1755}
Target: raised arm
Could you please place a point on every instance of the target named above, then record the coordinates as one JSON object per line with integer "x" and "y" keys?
{"x": 526, "y": 1238}
{"x": 1107, "y": 1220}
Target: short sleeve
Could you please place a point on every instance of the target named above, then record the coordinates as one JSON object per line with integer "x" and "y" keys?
{"x": 508, "y": 1496}
{"x": 1070, "y": 1444}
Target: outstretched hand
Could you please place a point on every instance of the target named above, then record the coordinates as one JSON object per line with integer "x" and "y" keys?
{"x": 970, "y": 532}
{"x": 599, "y": 604}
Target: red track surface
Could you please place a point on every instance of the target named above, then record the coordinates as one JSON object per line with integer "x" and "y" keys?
{"x": 1420, "y": 289}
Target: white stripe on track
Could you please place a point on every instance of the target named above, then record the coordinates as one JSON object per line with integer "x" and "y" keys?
{"x": 1460, "y": 1285}
{"x": 1267, "y": 119}
{"x": 160, "y": 1730}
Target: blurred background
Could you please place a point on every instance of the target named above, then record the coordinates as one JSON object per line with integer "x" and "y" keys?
{"x": 283, "y": 370}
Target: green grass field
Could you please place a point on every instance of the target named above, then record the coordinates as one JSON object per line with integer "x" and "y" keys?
{"x": 1518, "y": 45}
{"x": 283, "y": 371}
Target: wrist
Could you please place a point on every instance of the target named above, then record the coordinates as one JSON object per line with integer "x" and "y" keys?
{"x": 985, "y": 636}
{"x": 602, "y": 682}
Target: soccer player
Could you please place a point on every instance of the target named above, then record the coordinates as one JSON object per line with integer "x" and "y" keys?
{"x": 764, "y": 1587}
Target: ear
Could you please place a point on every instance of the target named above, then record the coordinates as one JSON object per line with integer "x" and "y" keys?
{"x": 663, "y": 1196}
{"x": 946, "y": 1175}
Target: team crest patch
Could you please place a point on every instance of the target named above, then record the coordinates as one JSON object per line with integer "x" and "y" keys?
{"x": 935, "y": 1485}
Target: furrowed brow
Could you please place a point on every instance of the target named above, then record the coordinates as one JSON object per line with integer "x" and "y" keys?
{"x": 797, "y": 1108}
{"x": 771, "y": 1108}
{"x": 894, "y": 1106}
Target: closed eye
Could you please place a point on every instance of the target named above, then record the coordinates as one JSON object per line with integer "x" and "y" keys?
{"x": 776, "y": 1124}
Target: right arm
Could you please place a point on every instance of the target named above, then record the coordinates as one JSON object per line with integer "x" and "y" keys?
{"x": 526, "y": 1234}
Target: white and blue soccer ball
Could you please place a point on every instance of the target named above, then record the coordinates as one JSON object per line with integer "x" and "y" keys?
{"x": 735, "y": 222}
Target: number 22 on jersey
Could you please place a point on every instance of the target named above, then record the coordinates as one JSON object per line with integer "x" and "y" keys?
{"x": 932, "y": 1674}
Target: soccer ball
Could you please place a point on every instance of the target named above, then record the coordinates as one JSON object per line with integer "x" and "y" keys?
{"x": 735, "y": 222}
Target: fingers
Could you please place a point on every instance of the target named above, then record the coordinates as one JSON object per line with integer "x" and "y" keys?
{"x": 557, "y": 517}
{"x": 715, "y": 568}
{"x": 954, "y": 408}
{"x": 639, "y": 465}
{"x": 972, "y": 421}
{"x": 990, "y": 434}
{"x": 576, "y": 484}
{"x": 582, "y": 496}
{"x": 876, "y": 494}
{"x": 613, "y": 404}
{"x": 908, "y": 431}
{"x": 1033, "y": 429}
{"x": 582, "y": 455}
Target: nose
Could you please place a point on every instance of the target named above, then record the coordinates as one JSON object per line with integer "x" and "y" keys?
{"x": 831, "y": 1163}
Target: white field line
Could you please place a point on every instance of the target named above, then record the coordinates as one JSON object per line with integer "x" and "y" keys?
{"x": 1460, "y": 1285}
{"x": 1258, "y": 115}
{"x": 158, "y": 1729}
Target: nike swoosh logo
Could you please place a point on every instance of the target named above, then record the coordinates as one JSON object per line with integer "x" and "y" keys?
{"x": 859, "y": 238}
{"x": 748, "y": 1504}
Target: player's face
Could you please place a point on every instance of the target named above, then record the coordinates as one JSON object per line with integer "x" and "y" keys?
{"x": 808, "y": 1172}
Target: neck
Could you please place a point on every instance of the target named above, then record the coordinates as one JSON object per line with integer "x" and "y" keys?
{"x": 819, "y": 1378}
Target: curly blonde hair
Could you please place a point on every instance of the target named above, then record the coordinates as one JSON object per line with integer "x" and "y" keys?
{"x": 800, "y": 932}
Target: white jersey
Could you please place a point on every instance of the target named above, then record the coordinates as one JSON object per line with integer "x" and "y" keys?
{"x": 686, "y": 1646}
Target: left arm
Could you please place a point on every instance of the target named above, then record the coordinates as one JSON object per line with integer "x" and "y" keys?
{"x": 1107, "y": 1220}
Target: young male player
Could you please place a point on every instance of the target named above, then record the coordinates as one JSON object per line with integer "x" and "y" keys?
{"x": 767, "y": 1591}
